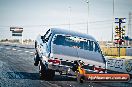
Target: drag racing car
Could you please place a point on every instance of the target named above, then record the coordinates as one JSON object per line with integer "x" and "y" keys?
{"x": 63, "y": 51}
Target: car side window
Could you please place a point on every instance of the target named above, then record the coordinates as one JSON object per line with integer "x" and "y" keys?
{"x": 59, "y": 40}
{"x": 82, "y": 44}
{"x": 97, "y": 48}
{"x": 91, "y": 45}
{"x": 85, "y": 45}
{"x": 88, "y": 45}
{"x": 94, "y": 46}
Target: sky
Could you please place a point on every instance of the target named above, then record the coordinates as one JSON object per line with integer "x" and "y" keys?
{"x": 36, "y": 16}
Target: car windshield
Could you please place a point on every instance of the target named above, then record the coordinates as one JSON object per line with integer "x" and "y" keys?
{"x": 76, "y": 42}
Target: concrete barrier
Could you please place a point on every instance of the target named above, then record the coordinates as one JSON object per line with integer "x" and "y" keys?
{"x": 122, "y": 65}
{"x": 129, "y": 51}
{"x": 113, "y": 51}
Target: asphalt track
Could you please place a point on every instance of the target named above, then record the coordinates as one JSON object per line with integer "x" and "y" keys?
{"x": 17, "y": 70}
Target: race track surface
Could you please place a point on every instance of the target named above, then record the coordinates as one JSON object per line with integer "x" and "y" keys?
{"x": 17, "y": 70}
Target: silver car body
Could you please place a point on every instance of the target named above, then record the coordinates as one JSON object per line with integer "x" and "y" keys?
{"x": 48, "y": 49}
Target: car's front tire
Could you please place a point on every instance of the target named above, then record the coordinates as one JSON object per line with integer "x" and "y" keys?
{"x": 36, "y": 59}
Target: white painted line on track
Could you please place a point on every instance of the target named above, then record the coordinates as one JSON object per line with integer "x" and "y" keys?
{"x": 32, "y": 52}
{"x": 19, "y": 50}
{"x": 26, "y": 51}
{"x": 7, "y": 48}
{"x": 13, "y": 49}
{"x": 1, "y": 47}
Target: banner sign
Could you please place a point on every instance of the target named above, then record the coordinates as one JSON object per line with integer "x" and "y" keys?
{"x": 16, "y": 34}
{"x": 16, "y": 31}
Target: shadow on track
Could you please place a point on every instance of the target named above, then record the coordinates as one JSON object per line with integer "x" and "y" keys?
{"x": 64, "y": 78}
{"x": 35, "y": 76}
{"x": 22, "y": 75}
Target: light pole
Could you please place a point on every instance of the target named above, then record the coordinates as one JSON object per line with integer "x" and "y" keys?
{"x": 69, "y": 17}
{"x": 87, "y": 15}
{"x": 112, "y": 21}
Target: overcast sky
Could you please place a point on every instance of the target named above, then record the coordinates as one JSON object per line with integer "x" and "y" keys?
{"x": 35, "y": 16}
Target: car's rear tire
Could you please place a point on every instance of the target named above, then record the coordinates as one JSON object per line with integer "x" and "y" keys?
{"x": 46, "y": 74}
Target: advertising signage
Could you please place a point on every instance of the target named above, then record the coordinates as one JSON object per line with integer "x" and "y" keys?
{"x": 16, "y": 31}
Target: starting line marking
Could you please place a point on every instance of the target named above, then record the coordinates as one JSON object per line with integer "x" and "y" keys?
{"x": 31, "y": 52}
